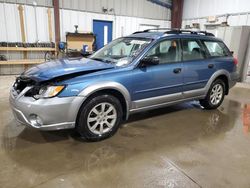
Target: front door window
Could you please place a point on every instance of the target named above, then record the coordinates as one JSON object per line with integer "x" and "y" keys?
{"x": 167, "y": 51}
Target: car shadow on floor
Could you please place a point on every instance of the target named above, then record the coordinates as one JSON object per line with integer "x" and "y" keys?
{"x": 163, "y": 111}
{"x": 36, "y": 136}
{"x": 29, "y": 135}
{"x": 155, "y": 133}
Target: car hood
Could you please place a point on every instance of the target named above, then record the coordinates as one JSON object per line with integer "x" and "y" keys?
{"x": 65, "y": 67}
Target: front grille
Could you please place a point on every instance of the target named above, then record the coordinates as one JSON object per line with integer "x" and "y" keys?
{"x": 21, "y": 83}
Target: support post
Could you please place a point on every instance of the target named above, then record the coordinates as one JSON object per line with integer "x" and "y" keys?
{"x": 57, "y": 21}
{"x": 49, "y": 25}
{"x": 20, "y": 9}
{"x": 176, "y": 13}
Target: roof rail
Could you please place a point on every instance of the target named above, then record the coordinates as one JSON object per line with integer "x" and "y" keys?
{"x": 158, "y": 29}
{"x": 176, "y": 31}
{"x": 181, "y": 31}
{"x": 154, "y": 29}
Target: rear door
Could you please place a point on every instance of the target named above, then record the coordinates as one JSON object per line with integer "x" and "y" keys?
{"x": 219, "y": 55}
{"x": 197, "y": 68}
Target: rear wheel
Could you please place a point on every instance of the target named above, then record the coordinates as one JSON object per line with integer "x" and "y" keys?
{"x": 215, "y": 95}
{"x": 99, "y": 118}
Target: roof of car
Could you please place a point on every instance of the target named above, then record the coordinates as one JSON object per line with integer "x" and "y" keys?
{"x": 158, "y": 33}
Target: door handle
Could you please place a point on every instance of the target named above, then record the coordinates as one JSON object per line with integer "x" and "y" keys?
{"x": 177, "y": 70}
{"x": 210, "y": 66}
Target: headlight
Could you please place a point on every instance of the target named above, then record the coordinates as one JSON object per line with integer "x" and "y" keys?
{"x": 49, "y": 91}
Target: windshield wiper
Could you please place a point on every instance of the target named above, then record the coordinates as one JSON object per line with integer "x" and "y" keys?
{"x": 102, "y": 60}
{"x": 97, "y": 59}
{"x": 108, "y": 61}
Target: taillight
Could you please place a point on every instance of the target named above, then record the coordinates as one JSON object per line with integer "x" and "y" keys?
{"x": 235, "y": 61}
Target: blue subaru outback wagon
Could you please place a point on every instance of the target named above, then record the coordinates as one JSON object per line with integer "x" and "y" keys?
{"x": 143, "y": 71}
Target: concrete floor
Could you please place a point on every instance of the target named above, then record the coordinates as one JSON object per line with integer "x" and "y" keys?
{"x": 177, "y": 146}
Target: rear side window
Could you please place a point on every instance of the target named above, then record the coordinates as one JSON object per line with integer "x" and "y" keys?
{"x": 216, "y": 49}
{"x": 192, "y": 50}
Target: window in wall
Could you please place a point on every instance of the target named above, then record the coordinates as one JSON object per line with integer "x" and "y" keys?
{"x": 167, "y": 51}
{"x": 192, "y": 50}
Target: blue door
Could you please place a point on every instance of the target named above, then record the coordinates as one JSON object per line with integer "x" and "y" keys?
{"x": 103, "y": 31}
{"x": 197, "y": 68}
{"x": 163, "y": 82}
{"x": 158, "y": 80}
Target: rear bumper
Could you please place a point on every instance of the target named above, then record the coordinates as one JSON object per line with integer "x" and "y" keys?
{"x": 234, "y": 78}
{"x": 46, "y": 114}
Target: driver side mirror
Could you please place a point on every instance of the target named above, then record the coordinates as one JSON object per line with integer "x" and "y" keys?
{"x": 147, "y": 61}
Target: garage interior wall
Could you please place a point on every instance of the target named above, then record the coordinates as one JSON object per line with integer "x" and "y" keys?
{"x": 36, "y": 29}
{"x": 123, "y": 25}
{"x": 197, "y": 11}
{"x": 128, "y": 16}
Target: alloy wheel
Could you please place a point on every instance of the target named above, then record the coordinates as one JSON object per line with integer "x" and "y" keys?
{"x": 102, "y": 118}
{"x": 216, "y": 94}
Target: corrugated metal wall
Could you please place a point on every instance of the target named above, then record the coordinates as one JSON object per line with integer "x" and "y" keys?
{"x": 127, "y": 18}
{"x": 123, "y": 25}
{"x": 10, "y": 31}
{"x": 201, "y": 8}
{"x": 36, "y": 22}
{"x": 46, "y": 3}
{"x": 197, "y": 11}
{"x": 10, "y": 26}
{"x": 135, "y": 8}
{"x": 10, "y": 23}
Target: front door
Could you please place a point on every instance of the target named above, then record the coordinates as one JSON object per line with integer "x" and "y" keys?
{"x": 103, "y": 32}
{"x": 157, "y": 84}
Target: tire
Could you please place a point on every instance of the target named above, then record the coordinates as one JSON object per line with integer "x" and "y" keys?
{"x": 218, "y": 90}
{"x": 99, "y": 118}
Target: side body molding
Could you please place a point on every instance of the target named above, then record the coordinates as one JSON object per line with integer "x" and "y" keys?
{"x": 218, "y": 73}
{"x": 165, "y": 100}
{"x": 203, "y": 91}
{"x": 109, "y": 85}
{"x": 134, "y": 106}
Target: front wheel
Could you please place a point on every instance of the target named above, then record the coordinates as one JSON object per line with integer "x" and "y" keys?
{"x": 99, "y": 118}
{"x": 215, "y": 95}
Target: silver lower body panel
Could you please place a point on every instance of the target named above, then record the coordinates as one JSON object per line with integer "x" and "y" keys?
{"x": 54, "y": 113}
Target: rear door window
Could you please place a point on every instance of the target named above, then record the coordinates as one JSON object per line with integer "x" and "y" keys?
{"x": 216, "y": 49}
{"x": 192, "y": 50}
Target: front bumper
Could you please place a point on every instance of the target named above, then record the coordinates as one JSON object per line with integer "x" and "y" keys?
{"x": 53, "y": 113}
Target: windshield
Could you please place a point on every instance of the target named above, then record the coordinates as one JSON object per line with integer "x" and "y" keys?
{"x": 121, "y": 51}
